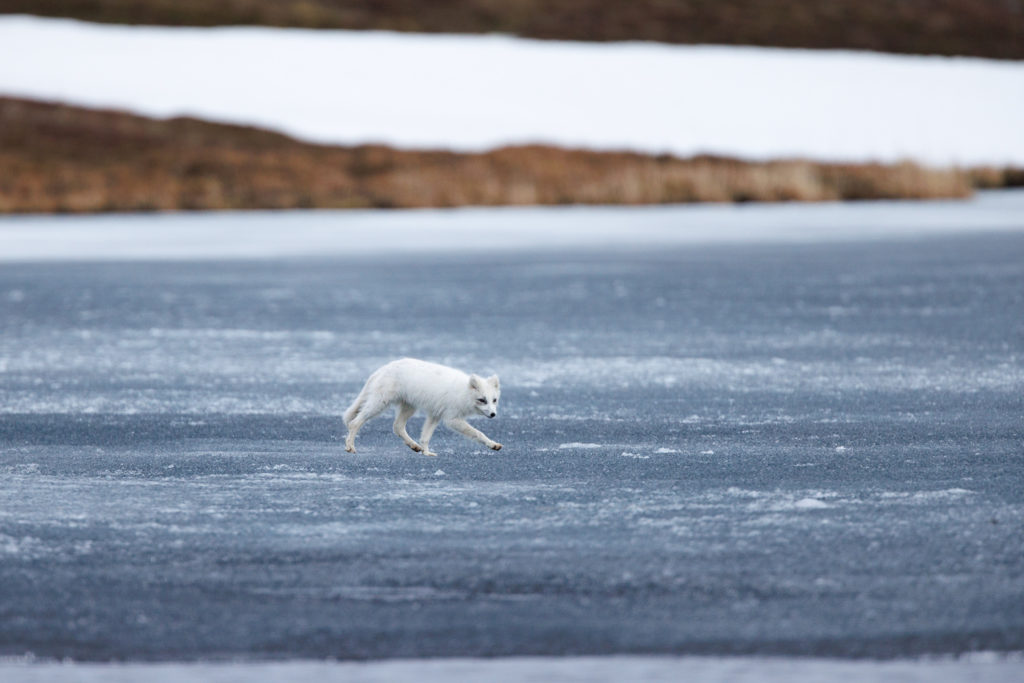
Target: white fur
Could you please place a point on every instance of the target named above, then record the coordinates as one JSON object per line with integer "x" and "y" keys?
{"x": 444, "y": 394}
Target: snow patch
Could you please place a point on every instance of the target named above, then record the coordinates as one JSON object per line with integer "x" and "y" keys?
{"x": 973, "y": 668}
{"x": 280, "y": 234}
{"x": 810, "y": 504}
{"x": 649, "y": 97}
{"x": 926, "y": 496}
{"x": 942, "y": 494}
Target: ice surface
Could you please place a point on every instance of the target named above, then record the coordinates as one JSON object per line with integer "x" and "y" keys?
{"x": 176, "y": 487}
{"x": 472, "y": 92}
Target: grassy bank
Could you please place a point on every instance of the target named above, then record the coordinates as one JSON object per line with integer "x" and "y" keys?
{"x": 985, "y": 28}
{"x": 69, "y": 159}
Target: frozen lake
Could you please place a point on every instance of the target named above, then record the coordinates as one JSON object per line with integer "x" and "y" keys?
{"x": 771, "y": 448}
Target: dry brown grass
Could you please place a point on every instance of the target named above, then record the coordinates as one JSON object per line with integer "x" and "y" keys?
{"x": 985, "y": 28}
{"x": 59, "y": 158}
{"x": 991, "y": 177}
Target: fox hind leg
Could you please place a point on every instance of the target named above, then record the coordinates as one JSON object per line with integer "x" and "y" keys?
{"x": 371, "y": 407}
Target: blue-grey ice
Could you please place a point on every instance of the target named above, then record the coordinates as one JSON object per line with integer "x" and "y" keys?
{"x": 808, "y": 447}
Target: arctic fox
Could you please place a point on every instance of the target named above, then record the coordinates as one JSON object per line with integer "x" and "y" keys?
{"x": 444, "y": 394}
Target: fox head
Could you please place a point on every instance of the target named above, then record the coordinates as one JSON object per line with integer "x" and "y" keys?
{"x": 485, "y": 393}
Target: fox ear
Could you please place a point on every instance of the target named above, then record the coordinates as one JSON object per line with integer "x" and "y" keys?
{"x": 474, "y": 382}
{"x": 493, "y": 379}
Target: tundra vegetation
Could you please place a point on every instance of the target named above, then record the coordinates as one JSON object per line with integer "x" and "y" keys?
{"x": 62, "y": 158}
{"x": 981, "y": 28}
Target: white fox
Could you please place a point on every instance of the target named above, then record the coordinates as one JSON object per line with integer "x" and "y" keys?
{"x": 444, "y": 394}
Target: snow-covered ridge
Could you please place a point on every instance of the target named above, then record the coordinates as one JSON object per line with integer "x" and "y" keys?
{"x": 476, "y": 92}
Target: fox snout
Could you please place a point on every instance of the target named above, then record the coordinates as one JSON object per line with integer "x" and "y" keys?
{"x": 491, "y": 414}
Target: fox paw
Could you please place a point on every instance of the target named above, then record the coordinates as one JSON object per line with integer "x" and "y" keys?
{"x": 430, "y": 453}
{"x": 350, "y": 449}
{"x": 495, "y": 446}
{"x": 417, "y": 448}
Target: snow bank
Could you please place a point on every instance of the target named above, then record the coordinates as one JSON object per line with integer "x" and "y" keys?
{"x": 474, "y": 92}
{"x": 976, "y": 669}
{"x": 274, "y": 234}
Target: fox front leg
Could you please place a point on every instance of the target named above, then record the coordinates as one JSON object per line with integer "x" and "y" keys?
{"x": 428, "y": 430}
{"x": 468, "y": 430}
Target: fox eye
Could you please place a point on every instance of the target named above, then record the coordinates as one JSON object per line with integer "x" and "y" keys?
{"x": 481, "y": 400}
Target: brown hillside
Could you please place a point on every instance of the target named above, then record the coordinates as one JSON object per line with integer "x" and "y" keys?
{"x": 985, "y": 28}
{"x": 63, "y": 158}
